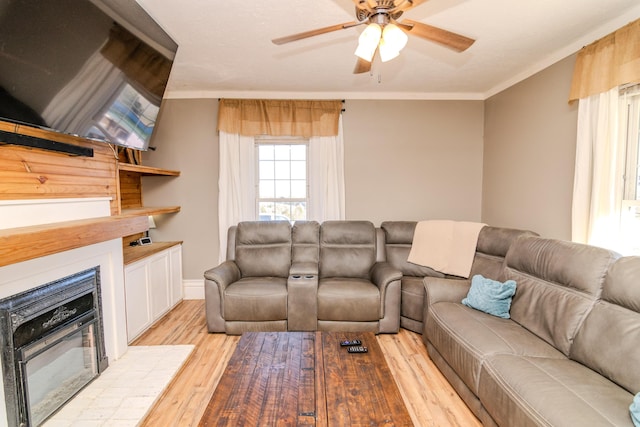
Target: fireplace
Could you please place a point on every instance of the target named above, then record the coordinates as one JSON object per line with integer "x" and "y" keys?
{"x": 53, "y": 345}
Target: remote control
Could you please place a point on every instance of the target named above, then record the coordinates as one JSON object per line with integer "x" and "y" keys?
{"x": 357, "y": 349}
{"x": 349, "y": 343}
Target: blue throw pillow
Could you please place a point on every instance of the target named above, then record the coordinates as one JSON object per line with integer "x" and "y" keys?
{"x": 490, "y": 296}
{"x": 634, "y": 410}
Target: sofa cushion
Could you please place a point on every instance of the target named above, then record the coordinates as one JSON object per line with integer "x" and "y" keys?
{"x": 491, "y": 296}
{"x": 608, "y": 341}
{"x": 466, "y": 337}
{"x": 634, "y": 410}
{"x": 256, "y": 299}
{"x": 347, "y": 248}
{"x": 348, "y": 299}
{"x": 537, "y": 391}
{"x": 493, "y": 245}
{"x": 305, "y": 237}
{"x": 263, "y": 248}
{"x": 558, "y": 283}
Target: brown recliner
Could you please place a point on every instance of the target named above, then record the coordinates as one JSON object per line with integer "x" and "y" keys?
{"x": 355, "y": 292}
{"x": 248, "y": 292}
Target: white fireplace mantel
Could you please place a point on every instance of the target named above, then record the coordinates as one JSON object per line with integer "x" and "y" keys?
{"x": 35, "y": 271}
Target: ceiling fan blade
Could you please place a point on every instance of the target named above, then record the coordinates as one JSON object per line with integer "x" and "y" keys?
{"x": 362, "y": 66}
{"x": 446, "y": 38}
{"x": 404, "y": 5}
{"x": 316, "y": 32}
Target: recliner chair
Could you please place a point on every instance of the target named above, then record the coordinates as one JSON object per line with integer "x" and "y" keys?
{"x": 355, "y": 291}
{"x": 248, "y": 292}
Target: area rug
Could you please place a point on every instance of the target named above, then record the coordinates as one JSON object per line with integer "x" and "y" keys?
{"x": 125, "y": 392}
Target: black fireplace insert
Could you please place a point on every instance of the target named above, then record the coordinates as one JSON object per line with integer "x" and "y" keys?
{"x": 52, "y": 345}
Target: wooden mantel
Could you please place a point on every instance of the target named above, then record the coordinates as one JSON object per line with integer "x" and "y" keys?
{"x": 25, "y": 243}
{"x": 32, "y": 173}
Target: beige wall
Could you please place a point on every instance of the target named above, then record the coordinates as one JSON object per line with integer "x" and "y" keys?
{"x": 187, "y": 141}
{"x": 413, "y": 160}
{"x": 507, "y": 161}
{"x": 403, "y": 160}
{"x": 529, "y": 151}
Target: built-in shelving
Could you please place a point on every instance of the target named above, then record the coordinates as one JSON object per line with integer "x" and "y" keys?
{"x": 136, "y": 253}
{"x": 131, "y": 204}
{"x": 151, "y": 210}
{"x": 147, "y": 170}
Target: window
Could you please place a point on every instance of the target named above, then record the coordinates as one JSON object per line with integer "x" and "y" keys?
{"x": 282, "y": 187}
{"x": 630, "y": 215}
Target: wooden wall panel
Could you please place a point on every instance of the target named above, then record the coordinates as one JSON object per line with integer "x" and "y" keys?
{"x": 29, "y": 173}
{"x": 130, "y": 190}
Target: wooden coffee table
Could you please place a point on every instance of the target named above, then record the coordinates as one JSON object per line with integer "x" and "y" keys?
{"x": 306, "y": 379}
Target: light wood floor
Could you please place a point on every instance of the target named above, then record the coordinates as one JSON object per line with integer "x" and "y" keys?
{"x": 430, "y": 399}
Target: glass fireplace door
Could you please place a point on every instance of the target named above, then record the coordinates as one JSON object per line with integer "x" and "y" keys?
{"x": 57, "y": 367}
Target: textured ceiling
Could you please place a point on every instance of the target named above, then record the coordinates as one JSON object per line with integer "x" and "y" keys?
{"x": 225, "y": 47}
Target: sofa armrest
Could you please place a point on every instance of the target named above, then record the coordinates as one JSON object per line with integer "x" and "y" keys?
{"x": 444, "y": 290}
{"x": 224, "y": 274}
{"x": 383, "y": 273}
{"x": 215, "y": 282}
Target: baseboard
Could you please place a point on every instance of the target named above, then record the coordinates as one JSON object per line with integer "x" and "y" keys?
{"x": 193, "y": 289}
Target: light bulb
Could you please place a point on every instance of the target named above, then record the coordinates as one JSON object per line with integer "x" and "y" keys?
{"x": 394, "y": 37}
{"x": 368, "y": 42}
{"x": 387, "y": 53}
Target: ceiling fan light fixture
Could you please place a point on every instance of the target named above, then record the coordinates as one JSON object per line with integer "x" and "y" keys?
{"x": 394, "y": 37}
{"x": 387, "y": 52}
{"x": 368, "y": 42}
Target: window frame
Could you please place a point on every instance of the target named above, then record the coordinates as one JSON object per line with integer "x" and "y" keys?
{"x": 630, "y": 203}
{"x": 281, "y": 140}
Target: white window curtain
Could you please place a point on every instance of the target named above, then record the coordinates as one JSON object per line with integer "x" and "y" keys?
{"x": 236, "y": 184}
{"x": 326, "y": 177}
{"x": 599, "y": 170}
{"x": 237, "y": 180}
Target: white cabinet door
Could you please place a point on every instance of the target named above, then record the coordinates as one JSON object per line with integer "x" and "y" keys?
{"x": 136, "y": 299}
{"x": 175, "y": 283}
{"x": 152, "y": 286}
{"x": 158, "y": 266}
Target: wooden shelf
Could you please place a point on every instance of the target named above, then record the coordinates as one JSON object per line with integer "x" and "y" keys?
{"x": 147, "y": 170}
{"x": 150, "y": 210}
{"x": 25, "y": 243}
{"x": 136, "y": 253}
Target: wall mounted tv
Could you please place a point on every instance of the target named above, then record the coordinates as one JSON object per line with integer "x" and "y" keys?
{"x": 93, "y": 68}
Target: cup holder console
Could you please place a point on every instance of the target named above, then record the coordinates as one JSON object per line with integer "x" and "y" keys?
{"x": 306, "y": 276}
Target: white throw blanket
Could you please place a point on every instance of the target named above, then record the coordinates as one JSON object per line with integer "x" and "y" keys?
{"x": 446, "y": 246}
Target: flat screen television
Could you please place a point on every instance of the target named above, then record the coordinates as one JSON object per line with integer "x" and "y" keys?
{"x": 92, "y": 68}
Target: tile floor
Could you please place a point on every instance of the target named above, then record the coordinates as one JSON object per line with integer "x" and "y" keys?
{"x": 124, "y": 393}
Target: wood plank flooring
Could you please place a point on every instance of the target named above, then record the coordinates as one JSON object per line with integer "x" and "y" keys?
{"x": 429, "y": 398}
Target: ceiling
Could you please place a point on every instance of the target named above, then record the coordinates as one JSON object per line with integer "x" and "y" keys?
{"x": 225, "y": 48}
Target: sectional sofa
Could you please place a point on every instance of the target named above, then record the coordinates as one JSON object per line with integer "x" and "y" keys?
{"x": 567, "y": 355}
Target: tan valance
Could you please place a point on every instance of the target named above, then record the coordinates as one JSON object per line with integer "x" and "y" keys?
{"x": 612, "y": 61}
{"x": 142, "y": 64}
{"x": 252, "y": 117}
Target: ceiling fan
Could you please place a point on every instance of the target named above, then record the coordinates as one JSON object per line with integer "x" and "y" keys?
{"x": 384, "y": 34}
